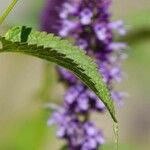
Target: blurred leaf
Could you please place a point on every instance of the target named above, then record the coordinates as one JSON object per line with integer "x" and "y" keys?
{"x": 139, "y": 42}
{"x": 139, "y": 60}
{"x": 121, "y": 147}
{"x": 30, "y": 134}
{"x": 63, "y": 53}
{"x": 64, "y": 147}
{"x": 136, "y": 35}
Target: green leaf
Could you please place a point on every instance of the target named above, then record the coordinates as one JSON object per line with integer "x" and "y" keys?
{"x": 60, "y": 52}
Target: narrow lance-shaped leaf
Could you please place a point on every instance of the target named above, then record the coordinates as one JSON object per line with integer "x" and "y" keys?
{"x": 61, "y": 52}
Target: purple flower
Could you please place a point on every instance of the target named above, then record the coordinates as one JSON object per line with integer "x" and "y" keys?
{"x": 101, "y": 32}
{"x": 86, "y": 16}
{"x": 88, "y": 23}
{"x": 118, "y": 26}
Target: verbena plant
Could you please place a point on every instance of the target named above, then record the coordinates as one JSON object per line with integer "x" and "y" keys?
{"x": 22, "y": 39}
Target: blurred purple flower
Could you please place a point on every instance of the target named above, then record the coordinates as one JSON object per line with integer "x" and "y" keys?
{"x": 88, "y": 23}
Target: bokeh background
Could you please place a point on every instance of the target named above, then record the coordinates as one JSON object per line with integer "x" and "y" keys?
{"x": 28, "y": 84}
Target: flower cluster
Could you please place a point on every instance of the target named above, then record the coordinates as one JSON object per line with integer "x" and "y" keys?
{"x": 87, "y": 22}
{"x": 80, "y": 135}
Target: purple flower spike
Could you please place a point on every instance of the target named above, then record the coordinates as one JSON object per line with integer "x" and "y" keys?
{"x": 88, "y": 23}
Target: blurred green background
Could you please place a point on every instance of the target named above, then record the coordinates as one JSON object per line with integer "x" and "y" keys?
{"x": 27, "y": 84}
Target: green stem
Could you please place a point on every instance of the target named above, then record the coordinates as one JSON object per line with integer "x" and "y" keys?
{"x": 116, "y": 132}
{"x": 7, "y": 11}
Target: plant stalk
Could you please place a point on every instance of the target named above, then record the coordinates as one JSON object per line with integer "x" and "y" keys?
{"x": 7, "y": 11}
